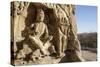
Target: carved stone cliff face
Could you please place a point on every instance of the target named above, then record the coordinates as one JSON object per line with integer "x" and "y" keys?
{"x": 43, "y": 33}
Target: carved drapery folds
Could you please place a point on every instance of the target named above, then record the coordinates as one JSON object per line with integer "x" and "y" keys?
{"x": 43, "y": 33}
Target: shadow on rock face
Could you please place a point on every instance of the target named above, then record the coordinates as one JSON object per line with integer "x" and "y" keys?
{"x": 71, "y": 56}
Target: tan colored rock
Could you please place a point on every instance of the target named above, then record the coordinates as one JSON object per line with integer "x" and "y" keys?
{"x": 43, "y": 33}
{"x": 36, "y": 55}
{"x": 26, "y": 49}
{"x": 21, "y": 54}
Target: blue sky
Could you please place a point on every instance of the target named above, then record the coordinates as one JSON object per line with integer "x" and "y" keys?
{"x": 86, "y": 17}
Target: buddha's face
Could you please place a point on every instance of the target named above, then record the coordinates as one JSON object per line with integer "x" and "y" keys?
{"x": 40, "y": 15}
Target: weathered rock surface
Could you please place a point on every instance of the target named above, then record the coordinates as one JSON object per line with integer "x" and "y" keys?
{"x": 43, "y": 33}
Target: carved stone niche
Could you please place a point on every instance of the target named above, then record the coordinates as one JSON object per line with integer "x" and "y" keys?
{"x": 43, "y": 33}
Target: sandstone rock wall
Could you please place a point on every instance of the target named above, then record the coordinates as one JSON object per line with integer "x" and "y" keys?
{"x": 43, "y": 33}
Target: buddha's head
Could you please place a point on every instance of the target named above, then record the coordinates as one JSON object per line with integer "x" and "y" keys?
{"x": 40, "y": 15}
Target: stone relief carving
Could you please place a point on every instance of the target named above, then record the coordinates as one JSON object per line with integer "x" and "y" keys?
{"x": 43, "y": 33}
